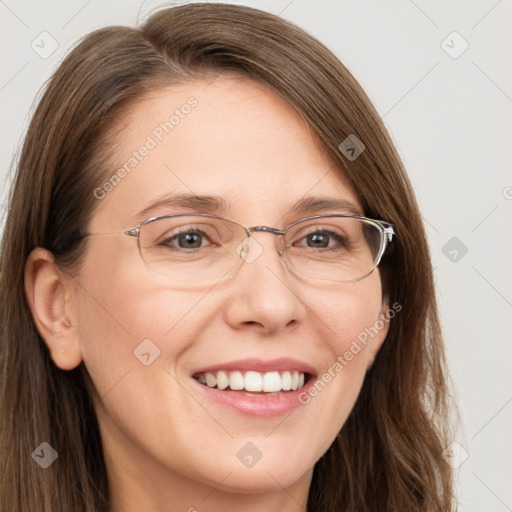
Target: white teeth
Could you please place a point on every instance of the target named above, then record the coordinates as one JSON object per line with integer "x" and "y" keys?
{"x": 252, "y": 381}
{"x": 236, "y": 381}
{"x": 286, "y": 381}
{"x": 222, "y": 380}
{"x": 272, "y": 382}
{"x": 295, "y": 380}
{"x": 211, "y": 380}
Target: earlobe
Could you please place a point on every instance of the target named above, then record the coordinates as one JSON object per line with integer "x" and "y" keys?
{"x": 48, "y": 295}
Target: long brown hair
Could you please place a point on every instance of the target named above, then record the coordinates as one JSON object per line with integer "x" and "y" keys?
{"x": 388, "y": 455}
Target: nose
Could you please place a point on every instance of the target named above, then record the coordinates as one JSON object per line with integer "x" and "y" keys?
{"x": 265, "y": 296}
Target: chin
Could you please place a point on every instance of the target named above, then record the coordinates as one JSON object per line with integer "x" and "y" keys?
{"x": 262, "y": 479}
{"x": 252, "y": 471}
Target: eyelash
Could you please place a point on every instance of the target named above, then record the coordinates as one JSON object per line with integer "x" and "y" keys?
{"x": 184, "y": 231}
{"x": 341, "y": 240}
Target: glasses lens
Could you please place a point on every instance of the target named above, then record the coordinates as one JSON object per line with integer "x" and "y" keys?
{"x": 200, "y": 250}
{"x": 191, "y": 248}
{"x": 334, "y": 248}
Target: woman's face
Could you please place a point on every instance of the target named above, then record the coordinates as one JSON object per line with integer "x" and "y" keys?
{"x": 145, "y": 341}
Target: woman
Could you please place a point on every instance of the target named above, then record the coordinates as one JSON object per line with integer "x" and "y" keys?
{"x": 216, "y": 287}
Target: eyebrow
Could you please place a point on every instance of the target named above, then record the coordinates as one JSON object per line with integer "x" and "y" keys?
{"x": 308, "y": 205}
{"x": 217, "y": 205}
{"x": 200, "y": 204}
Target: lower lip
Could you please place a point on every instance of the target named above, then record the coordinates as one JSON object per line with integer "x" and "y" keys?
{"x": 257, "y": 405}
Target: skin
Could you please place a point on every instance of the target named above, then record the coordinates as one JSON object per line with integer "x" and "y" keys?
{"x": 167, "y": 447}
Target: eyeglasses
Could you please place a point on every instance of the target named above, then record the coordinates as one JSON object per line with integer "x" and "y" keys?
{"x": 200, "y": 249}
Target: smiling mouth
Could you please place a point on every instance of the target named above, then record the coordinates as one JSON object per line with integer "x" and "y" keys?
{"x": 253, "y": 382}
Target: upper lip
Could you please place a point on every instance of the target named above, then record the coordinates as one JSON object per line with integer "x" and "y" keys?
{"x": 280, "y": 364}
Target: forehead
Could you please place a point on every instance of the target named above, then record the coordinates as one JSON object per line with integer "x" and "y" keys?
{"x": 232, "y": 138}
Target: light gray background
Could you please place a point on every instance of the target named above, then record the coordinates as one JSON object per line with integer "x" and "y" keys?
{"x": 450, "y": 117}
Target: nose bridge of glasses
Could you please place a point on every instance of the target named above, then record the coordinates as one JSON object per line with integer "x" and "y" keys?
{"x": 265, "y": 229}
{"x": 250, "y": 249}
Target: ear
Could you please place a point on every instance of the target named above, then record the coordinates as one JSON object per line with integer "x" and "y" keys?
{"x": 49, "y": 297}
{"x": 382, "y": 326}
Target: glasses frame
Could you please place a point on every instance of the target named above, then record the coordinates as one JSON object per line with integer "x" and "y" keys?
{"x": 385, "y": 228}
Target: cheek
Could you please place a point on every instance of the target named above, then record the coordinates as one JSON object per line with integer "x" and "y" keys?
{"x": 347, "y": 320}
{"x": 124, "y": 313}
{"x": 348, "y": 314}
